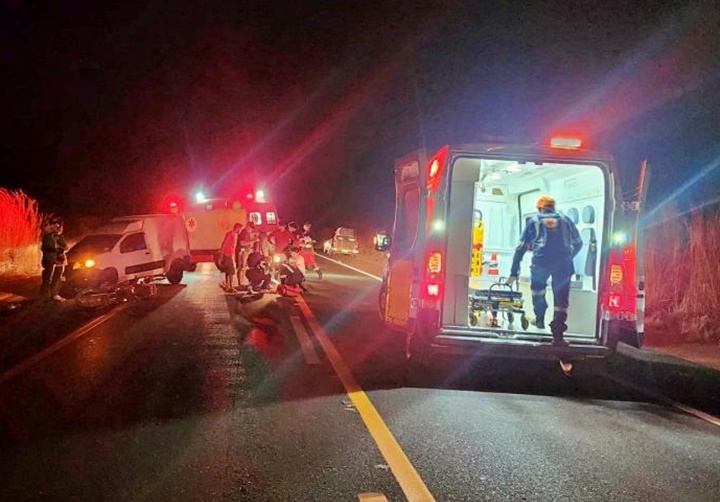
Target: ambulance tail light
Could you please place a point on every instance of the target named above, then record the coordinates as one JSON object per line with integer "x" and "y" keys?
{"x": 621, "y": 296}
{"x": 434, "y": 264}
{"x": 432, "y": 287}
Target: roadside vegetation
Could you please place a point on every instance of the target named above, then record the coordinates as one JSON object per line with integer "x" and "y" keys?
{"x": 20, "y": 222}
{"x": 683, "y": 278}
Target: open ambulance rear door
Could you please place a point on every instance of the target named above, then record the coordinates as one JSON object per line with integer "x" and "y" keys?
{"x": 400, "y": 284}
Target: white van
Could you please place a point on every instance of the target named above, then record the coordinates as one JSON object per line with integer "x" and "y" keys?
{"x": 458, "y": 219}
{"x": 130, "y": 248}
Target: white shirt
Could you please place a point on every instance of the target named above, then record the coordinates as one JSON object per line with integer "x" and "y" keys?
{"x": 299, "y": 262}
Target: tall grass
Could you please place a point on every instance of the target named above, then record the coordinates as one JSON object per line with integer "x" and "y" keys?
{"x": 20, "y": 223}
{"x": 682, "y": 260}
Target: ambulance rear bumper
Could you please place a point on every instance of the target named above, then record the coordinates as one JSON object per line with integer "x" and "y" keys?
{"x": 461, "y": 342}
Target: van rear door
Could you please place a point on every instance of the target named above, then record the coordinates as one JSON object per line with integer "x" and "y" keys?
{"x": 401, "y": 281}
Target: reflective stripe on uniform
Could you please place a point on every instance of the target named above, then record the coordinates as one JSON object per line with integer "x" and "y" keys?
{"x": 560, "y": 309}
{"x": 538, "y": 292}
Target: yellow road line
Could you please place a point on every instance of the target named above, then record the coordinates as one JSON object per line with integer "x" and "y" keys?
{"x": 410, "y": 482}
{"x": 308, "y": 350}
{"x": 372, "y": 497}
{"x": 82, "y": 330}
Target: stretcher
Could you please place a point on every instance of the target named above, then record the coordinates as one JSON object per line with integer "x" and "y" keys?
{"x": 499, "y": 298}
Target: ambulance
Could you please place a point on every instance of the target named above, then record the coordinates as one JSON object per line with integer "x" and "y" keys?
{"x": 208, "y": 219}
{"x": 459, "y": 216}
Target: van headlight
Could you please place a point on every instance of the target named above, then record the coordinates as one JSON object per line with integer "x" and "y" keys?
{"x": 89, "y": 263}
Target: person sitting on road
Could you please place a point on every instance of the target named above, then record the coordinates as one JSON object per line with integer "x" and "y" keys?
{"x": 297, "y": 259}
{"x": 257, "y": 273}
{"x": 291, "y": 274}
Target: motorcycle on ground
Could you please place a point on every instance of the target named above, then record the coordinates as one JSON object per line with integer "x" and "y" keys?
{"x": 107, "y": 294}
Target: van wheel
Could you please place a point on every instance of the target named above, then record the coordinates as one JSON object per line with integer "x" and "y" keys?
{"x": 175, "y": 274}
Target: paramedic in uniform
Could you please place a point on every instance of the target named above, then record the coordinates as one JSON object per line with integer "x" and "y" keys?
{"x": 554, "y": 240}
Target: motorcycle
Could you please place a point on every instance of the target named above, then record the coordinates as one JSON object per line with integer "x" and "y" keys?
{"x": 107, "y": 294}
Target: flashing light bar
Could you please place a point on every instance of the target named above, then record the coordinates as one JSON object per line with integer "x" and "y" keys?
{"x": 565, "y": 143}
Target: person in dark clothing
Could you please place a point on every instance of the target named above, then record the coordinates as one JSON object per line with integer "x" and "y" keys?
{"x": 257, "y": 273}
{"x": 53, "y": 249}
{"x": 554, "y": 240}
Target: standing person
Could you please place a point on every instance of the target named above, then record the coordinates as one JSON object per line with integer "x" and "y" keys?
{"x": 227, "y": 256}
{"x": 48, "y": 247}
{"x": 282, "y": 238}
{"x": 246, "y": 242}
{"x": 307, "y": 249}
{"x": 555, "y": 241}
{"x": 264, "y": 246}
{"x": 60, "y": 262}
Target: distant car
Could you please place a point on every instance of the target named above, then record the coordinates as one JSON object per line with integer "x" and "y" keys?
{"x": 342, "y": 242}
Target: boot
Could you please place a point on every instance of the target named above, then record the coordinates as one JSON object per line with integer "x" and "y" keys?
{"x": 558, "y": 329}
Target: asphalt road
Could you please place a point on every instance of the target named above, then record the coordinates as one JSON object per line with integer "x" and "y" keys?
{"x": 196, "y": 395}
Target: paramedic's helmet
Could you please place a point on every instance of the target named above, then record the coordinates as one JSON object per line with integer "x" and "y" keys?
{"x": 545, "y": 202}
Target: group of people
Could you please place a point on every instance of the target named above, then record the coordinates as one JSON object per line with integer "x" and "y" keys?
{"x": 250, "y": 255}
{"x": 53, "y": 248}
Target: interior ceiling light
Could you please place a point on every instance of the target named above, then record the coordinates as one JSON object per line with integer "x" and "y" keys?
{"x": 513, "y": 168}
{"x": 495, "y": 176}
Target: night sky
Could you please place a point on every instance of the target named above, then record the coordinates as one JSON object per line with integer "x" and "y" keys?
{"x": 107, "y": 109}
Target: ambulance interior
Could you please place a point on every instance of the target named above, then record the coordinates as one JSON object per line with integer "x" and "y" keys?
{"x": 494, "y": 198}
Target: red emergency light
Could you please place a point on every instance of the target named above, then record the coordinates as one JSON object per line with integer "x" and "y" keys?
{"x": 172, "y": 204}
{"x": 565, "y": 142}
